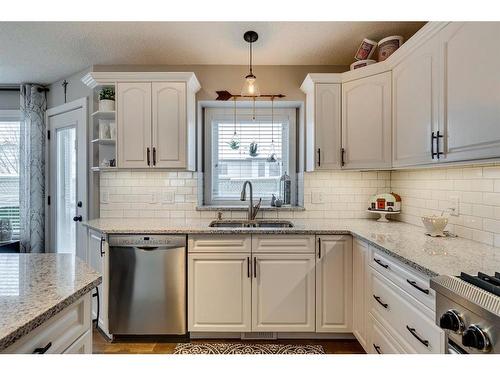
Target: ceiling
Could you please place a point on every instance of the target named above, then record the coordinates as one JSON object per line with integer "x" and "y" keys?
{"x": 44, "y": 52}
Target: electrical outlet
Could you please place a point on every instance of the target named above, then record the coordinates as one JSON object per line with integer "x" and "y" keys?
{"x": 104, "y": 196}
{"x": 454, "y": 206}
{"x": 317, "y": 197}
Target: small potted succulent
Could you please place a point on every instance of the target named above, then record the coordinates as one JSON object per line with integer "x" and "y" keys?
{"x": 107, "y": 99}
{"x": 253, "y": 149}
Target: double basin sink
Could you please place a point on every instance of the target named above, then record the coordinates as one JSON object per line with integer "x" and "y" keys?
{"x": 251, "y": 224}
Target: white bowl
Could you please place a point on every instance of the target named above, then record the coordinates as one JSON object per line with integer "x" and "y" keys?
{"x": 435, "y": 225}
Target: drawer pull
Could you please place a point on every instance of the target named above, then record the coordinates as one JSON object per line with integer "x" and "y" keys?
{"x": 414, "y": 284}
{"x": 377, "y": 348}
{"x": 42, "y": 350}
{"x": 379, "y": 262}
{"x": 414, "y": 334}
{"x": 377, "y": 298}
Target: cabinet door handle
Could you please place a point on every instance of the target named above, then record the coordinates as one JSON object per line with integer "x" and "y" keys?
{"x": 432, "y": 145}
{"x": 319, "y": 157}
{"x": 377, "y": 348}
{"x": 438, "y": 153}
{"x": 42, "y": 350}
{"x": 414, "y": 284}
{"x": 100, "y": 246}
{"x": 147, "y": 156}
{"x": 319, "y": 248}
{"x": 414, "y": 334}
{"x": 248, "y": 267}
{"x": 342, "y": 152}
{"x": 154, "y": 156}
{"x": 255, "y": 267}
{"x": 377, "y": 298}
{"x": 379, "y": 262}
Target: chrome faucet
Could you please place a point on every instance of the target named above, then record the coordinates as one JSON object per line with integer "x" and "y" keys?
{"x": 252, "y": 210}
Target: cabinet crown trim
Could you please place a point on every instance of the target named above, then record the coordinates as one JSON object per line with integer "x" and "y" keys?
{"x": 94, "y": 79}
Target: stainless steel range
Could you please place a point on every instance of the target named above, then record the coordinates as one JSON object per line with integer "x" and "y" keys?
{"x": 468, "y": 309}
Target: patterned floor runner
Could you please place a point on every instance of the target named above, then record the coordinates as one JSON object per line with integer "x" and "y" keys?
{"x": 244, "y": 348}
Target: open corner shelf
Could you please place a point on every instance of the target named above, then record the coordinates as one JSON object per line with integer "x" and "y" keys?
{"x": 101, "y": 141}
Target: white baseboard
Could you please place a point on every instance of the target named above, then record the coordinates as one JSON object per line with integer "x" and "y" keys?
{"x": 280, "y": 335}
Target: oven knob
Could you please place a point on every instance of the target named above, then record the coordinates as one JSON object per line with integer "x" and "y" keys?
{"x": 452, "y": 321}
{"x": 475, "y": 337}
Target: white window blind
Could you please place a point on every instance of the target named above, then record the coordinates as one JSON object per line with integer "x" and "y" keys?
{"x": 9, "y": 172}
{"x": 229, "y": 167}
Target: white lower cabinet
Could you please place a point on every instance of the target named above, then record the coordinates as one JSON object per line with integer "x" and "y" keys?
{"x": 283, "y": 293}
{"x": 380, "y": 341}
{"x": 219, "y": 292}
{"x": 360, "y": 286}
{"x": 334, "y": 284}
{"x": 62, "y": 333}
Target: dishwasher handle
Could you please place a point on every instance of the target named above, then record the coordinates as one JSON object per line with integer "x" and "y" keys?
{"x": 147, "y": 248}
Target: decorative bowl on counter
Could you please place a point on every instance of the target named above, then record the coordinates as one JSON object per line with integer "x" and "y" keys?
{"x": 434, "y": 225}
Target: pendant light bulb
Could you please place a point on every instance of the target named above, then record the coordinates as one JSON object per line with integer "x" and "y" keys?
{"x": 250, "y": 88}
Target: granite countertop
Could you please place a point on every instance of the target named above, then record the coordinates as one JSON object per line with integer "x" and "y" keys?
{"x": 35, "y": 287}
{"x": 405, "y": 242}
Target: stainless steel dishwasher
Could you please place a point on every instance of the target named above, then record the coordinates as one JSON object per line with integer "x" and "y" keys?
{"x": 147, "y": 285}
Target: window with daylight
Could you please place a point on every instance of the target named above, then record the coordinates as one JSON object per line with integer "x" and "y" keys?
{"x": 9, "y": 168}
{"x": 260, "y": 150}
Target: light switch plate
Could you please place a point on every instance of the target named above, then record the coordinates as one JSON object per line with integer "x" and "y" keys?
{"x": 454, "y": 206}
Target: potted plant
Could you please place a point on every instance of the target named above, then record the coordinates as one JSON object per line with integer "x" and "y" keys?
{"x": 253, "y": 149}
{"x": 107, "y": 99}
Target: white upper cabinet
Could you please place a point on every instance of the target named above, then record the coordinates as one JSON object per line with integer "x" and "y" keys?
{"x": 133, "y": 124}
{"x": 471, "y": 90}
{"x": 366, "y": 122}
{"x": 169, "y": 124}
{"x": 323, "y": 121}
{"x": 416, "y": 96}
{"x": 334, "y": 284}
{"x": 155, "y": 117}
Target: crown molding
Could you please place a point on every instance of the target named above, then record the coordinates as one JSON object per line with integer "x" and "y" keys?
{"x": 95, "y": 79}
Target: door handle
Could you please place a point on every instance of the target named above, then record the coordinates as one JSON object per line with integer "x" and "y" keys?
{"x": 379, "y": 262}
{"x": 255, "y": 267}
{"x": 248, "y": 267}
{"x": 377, "y": 349}
{"x": 432, "y": 145}
{"x": 154, "y": 156}
{"x": 42, "y": 350}
{"x": 319, "y": 157}
{"x": 77, "y": 218}
{"x": 319, "y": 248}
{"x": 414, "y": 334}
{"x": 147, "y": 156}
{"x": 342, "y": 153}
{"x": 414, "y": 284}
{"x": 102, "y": 252}
{"x": 377, "y": 298}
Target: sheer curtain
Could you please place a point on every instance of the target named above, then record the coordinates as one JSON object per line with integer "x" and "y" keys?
{"x": 32, "y": 169}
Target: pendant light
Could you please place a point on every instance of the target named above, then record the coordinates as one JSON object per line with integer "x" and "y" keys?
{"x": 250, "y": 88}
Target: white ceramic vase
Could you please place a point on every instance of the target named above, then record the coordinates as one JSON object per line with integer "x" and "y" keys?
{"x": 106, "y": 105}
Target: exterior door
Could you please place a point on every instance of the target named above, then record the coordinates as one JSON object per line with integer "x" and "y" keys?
{"x": 283, "y": 293}
{"x": 366, "y": 122}
{"x": 134, "y": 124}
{"x": 327, "y": 126}
{"x": 334, "y": 284}
{"x": 169, "y": 124}
{"x": 67, "y": 178}
{"x": 219, "y": 292}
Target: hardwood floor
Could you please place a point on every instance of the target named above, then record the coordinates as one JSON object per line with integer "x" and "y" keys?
{"x": 102, "y": 346}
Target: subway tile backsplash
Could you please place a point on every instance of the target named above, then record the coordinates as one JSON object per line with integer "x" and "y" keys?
{"x": 432, "y": 191}
{"x": 339, "y": 194}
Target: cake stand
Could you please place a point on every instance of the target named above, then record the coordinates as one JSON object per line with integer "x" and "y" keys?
{"x": 383, "y": 214}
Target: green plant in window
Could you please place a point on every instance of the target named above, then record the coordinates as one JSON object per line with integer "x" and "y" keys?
{"x": 107, "y": 94}
{"x": 252, "y": 149}
{"x": 234, "y": 144}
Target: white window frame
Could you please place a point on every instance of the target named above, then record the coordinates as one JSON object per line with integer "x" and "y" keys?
{"x": 13, "y": 115}
{"x": 226, "y": 114}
